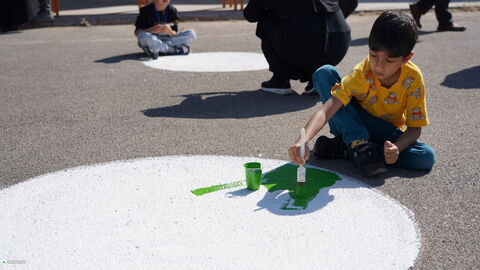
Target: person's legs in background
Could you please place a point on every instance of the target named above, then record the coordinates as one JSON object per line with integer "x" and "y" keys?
{"x": 280, "y": 82}
{"x": 44, "y": 13}
{"x": 444, "y": 17}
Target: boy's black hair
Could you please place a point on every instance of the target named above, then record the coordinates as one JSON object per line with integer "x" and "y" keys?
{"x": 393, "y": 32}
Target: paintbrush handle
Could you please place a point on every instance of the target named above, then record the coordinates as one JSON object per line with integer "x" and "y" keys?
{"x": 302, "y": 143}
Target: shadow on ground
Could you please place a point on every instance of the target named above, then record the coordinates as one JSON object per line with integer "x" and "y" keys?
{"x": 464, "y": 79}
{"x": 9, "y": 32}
{"x": 285, "y": 198}
{"x": 347, "y": 168}
{"x": 237, "y": 105}
{"x": 120, "y": 58}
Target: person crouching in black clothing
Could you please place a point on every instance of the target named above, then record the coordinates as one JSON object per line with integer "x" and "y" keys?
{"x": 297, "y": 38}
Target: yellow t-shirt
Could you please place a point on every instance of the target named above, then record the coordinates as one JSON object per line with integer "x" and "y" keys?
{"x": 403, "y": 104}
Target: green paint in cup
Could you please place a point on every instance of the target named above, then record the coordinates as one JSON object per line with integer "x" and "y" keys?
{"x": 253, "y": 172}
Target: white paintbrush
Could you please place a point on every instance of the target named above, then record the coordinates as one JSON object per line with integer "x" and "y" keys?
{"x": 301, "y": 171}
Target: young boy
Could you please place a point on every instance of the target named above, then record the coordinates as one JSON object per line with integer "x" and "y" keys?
{"x": 156, "y": 30}
{"x": 377, "y": 112}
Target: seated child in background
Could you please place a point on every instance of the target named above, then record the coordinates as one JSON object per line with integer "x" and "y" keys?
{"x": 377, "y": 112}
{"x": 156, "y": 29}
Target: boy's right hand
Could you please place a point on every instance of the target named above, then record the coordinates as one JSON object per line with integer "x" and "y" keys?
{"x": 161, "y": 29}
{"x": 156, "y": 29}
{"x": 294, "y": 153}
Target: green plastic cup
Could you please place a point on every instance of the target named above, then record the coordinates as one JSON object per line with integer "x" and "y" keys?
{"x": 253, "y": 172}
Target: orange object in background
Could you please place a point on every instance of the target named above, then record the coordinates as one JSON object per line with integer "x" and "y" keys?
{"x": 54, "y": 7}
{"x": 232, "y": 2}
{"x": 141, "y": 3}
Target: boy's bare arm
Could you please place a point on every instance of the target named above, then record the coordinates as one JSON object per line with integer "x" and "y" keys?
{"x": 393, "y": 149}
{"x": 314, "y": 125}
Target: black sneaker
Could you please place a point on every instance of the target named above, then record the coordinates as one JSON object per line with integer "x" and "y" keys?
{"x": 369, "y": 159}
{"x": 310, "y": 89}
{"x": 330, "y": 148}
{"x": 182, "y": 50}
{"x": 44, "y": 15}
{"x": 277, "y": 85}
{"x": 147, "y": 52}
{"x": 451, "y": 27}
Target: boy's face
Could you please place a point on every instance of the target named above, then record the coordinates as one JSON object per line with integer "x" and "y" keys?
{"x": 161, "y": 4}
{"x": 386, "y": 68}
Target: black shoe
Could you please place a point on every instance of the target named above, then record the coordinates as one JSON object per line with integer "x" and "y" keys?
{"x": 44, "y": 15}
{"x": 149, "y": 53}
{"x": 416, "y": 14}
{"x": 310, "y": 89}
{"x": 277, "y": 85}
{"x": 182, "y": 50}
{"x": 369, "y": 159}
{"x": 451, "y": 27}
{"x": 330, "y": 148}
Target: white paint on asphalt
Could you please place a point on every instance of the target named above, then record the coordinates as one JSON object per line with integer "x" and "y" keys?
{"x": 210, "y": 62}
{"x": 140, "y": 214}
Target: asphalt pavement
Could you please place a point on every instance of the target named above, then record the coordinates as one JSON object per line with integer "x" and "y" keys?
{"x": 72, "y": 96}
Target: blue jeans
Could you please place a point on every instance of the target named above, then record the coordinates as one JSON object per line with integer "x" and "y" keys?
{"x": 165, "y": 44}
{"x": 352, "y": 122}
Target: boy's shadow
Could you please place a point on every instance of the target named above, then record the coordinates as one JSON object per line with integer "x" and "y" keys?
{"x": 119, "y": 58}
{"x": 348, "y": 169}
{"x": 464, "y": 79}
{"x": 274, "y": 202}
{"x": 243, "y": 104}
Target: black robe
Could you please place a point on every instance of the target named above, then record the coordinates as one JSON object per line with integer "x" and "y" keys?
{"x": 13, "y": 13}
{"x": 299, "y": 36}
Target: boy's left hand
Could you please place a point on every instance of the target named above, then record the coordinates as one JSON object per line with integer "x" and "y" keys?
{"x": 391, "y": 152}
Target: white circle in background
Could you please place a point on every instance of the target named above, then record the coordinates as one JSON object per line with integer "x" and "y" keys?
{"x": 141, "y": 214}
{"x": 210, "y": 62}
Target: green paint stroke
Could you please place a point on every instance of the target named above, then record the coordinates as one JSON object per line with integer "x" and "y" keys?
{"x": 285, "y": 178}
{"x": 205, "y": 190}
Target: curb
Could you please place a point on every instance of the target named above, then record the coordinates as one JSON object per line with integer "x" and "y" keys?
{"x": 121, "y": 19}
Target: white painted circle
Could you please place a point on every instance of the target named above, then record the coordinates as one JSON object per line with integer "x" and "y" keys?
{"x": 210, "y": 62}
{"x": 140, "y": 214}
